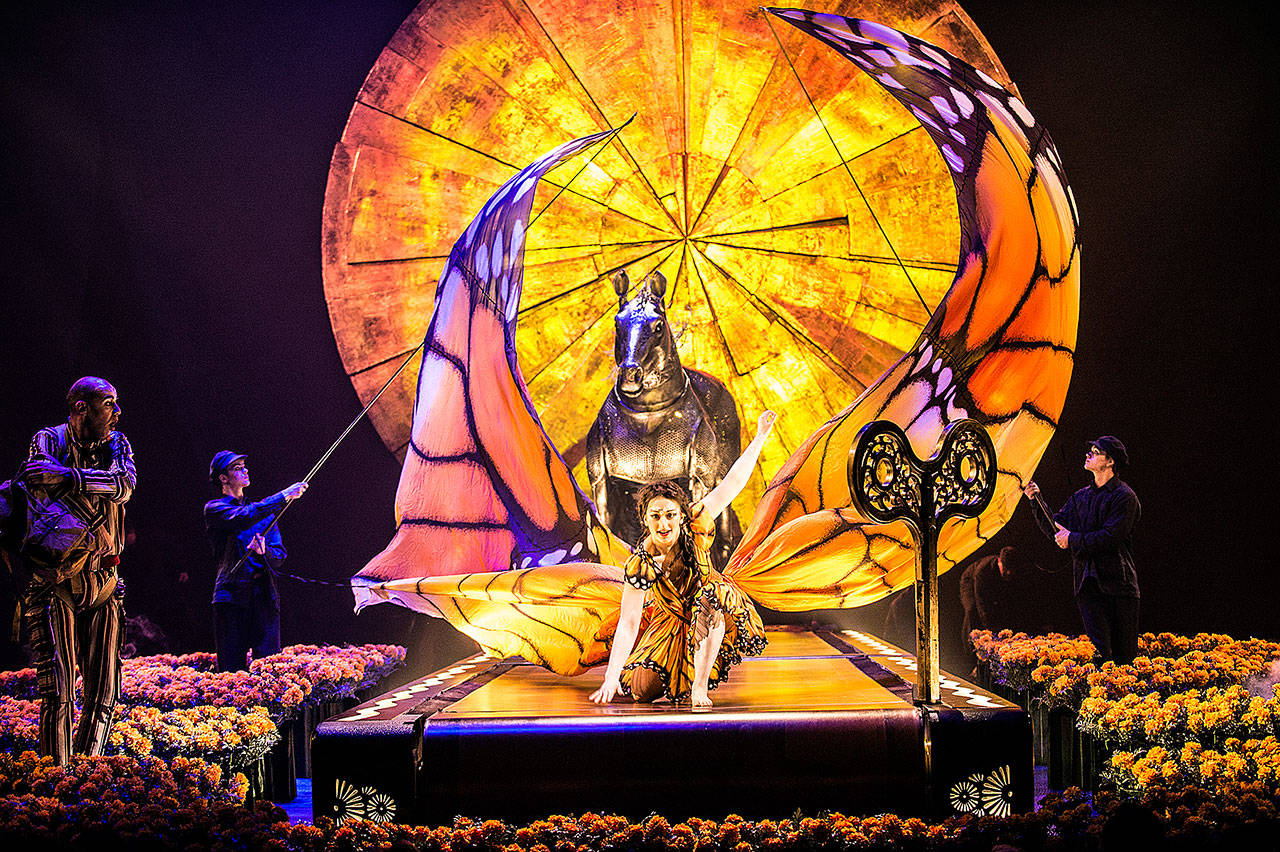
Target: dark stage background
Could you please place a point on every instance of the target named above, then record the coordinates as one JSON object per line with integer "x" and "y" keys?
{"x": 163, "y": 171}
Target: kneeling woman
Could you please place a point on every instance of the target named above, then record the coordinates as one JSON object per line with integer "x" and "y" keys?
{"x": 698, "y": 624}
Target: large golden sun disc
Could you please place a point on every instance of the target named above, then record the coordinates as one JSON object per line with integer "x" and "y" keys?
{"x": 807, "y": 229}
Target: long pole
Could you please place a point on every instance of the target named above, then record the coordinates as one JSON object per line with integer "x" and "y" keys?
{"x": 928, "y": 684}
{"x": 334, "y": 446}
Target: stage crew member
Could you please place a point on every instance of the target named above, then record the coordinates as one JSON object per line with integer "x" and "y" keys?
{"x": 1096, "y": 525}
{"x": 247, "y": 546}
{"x": 77, "y": 478}
{"x": 994, "y": 594}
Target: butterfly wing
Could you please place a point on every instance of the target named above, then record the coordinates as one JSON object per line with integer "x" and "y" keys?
{"x": 561, "y": 616}
{"x": 482, "y": 487}
{"x": 999, "y": 348}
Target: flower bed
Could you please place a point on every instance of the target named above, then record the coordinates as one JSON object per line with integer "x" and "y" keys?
{"x": 1060, "y": 670}
{"x": 19, "y": 724}
{"x": 1197, "y": 711}
{"x": 118, "y": 779}
{"x": 177, "y": 705}
{"x": 330, "y": 672}
{"x": 97, "y": 802}
{"x": 19, "y": 684}
{"x": 168, "y": 688}
{"x": 1066, "y": 822}
{"x": 228, "y": 736}
{"x": 282, "y": 683}
{"x": 1210, "y": 717}
{"x": 1014, "y": 658}
{"x": 203, "y": 661}
{"x": 1253, "y": 762}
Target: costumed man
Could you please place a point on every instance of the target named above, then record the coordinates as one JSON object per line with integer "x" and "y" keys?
{"x": 1096, "y": 526}
{"x": 77, "y": 478}
{"x": 247, "y": 547}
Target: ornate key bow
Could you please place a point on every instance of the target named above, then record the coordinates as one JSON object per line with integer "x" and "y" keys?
{"x": 890, "y": 483}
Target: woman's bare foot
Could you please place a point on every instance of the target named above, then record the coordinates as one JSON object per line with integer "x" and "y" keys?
{"x": 699, "y": 698}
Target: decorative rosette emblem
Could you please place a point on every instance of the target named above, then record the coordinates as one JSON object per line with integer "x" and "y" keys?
{"x": 354, "y": 802}
{"x": 966, "y": 795}
{"x": 381, "y": 807}
{"x": 890, "y": 483}
{"x": 997, "y": 792}
{"x": 985, "y": 794}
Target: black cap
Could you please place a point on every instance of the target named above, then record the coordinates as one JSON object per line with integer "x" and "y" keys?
{"x": 1114, "y": 448}
{"x": 222, "y": 460}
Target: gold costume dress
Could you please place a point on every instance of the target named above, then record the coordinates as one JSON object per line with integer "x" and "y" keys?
{"x": 681, "y": 608}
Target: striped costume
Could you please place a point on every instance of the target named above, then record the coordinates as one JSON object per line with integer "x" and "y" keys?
{"x": 682, "y": 605}
{"x": 80, "y": 620}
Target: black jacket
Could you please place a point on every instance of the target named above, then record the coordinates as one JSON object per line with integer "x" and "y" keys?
{"x": 1101, "y": 521}
{"x": 231, "y": 525}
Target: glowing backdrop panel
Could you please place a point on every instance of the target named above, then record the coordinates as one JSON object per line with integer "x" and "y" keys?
{"x": 998, "y": 348}
{"x": 791, "y": 284}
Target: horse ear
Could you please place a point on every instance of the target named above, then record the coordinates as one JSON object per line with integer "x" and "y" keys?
{"x": 621, "y": 283}
{"x": 658, "y": 284}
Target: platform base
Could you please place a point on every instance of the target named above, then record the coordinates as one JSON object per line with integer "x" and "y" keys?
{"x": 823, "y": 720}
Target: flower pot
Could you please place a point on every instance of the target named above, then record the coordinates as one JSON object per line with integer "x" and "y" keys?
{"x": 1061, "y": 740}
{"x": 302, "y": 728}
{"x": 1039, "y": 733}
{"x": 281, "y": 779}
{"x": 1076, "y": 759}
{"x": 256, "y": 774}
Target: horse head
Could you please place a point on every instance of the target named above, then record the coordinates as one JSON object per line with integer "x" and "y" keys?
{"x": 649, "y": 371}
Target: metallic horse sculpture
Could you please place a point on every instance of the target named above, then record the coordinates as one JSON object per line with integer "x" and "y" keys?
{"x": 661, "y": 420}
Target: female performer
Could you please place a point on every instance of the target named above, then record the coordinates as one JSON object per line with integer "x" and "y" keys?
{"x": 698, "y": 624}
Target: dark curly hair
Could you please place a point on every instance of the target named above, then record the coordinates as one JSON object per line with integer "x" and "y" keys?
{"x": 674, "y": 491}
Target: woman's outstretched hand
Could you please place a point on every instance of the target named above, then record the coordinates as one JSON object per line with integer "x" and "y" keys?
{"x": 765, "y": 424}
{"x": 607, "y": 691}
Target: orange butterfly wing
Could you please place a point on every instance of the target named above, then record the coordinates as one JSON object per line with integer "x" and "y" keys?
{"x": 561, "y": 616}
{"x": 482, "y": 487}
{"x": 998, "y": 349}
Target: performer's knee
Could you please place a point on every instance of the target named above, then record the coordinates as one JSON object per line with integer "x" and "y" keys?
{"x": 56, "y": 714}
{"x": 646, "y": 685}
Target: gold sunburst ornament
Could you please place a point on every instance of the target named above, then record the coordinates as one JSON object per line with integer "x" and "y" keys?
{"x": 808, "y": 231}
{"x": 984, "y": 793}
{"x": 966, "y": 794}
{"x": 349, "y": 802}
{"x": 367, "y": 803}
{"x": 997, "y": 792}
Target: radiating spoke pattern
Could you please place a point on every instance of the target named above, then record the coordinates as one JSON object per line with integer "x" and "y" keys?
{"x": 807, "y": 229}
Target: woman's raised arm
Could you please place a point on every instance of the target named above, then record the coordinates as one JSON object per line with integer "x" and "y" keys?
{"x": 736, "y": 479}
